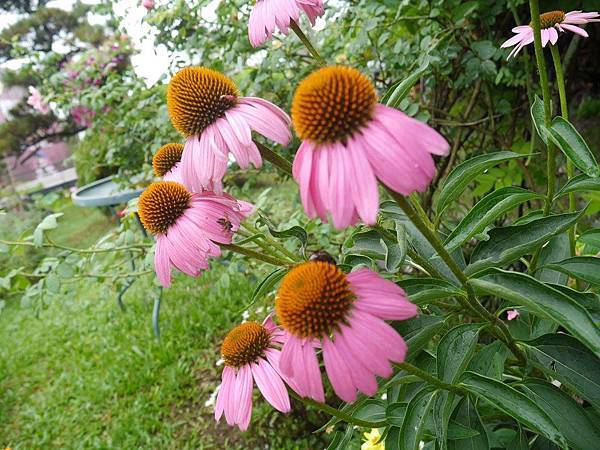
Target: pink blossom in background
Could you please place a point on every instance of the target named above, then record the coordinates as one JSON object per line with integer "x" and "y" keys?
{"x": 319, "y": 306}
{"x": 267, "y": 15}
{"x": 251, "y": 355}
{"x": 552, "y": 23}
{"x": 512, "y": 314}
{"x": 36, "y": 101}
{"x": 148, "y": 4}
{"x": 83, "y": 116}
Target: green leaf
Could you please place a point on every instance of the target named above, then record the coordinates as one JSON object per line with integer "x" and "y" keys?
{"x": 588, "y": 300}
{"x": 538, "y": 117}
{"x": 424, "y": 290}
{"x": 457, "y": 431}
{"x": 520, "y": 441}
{"x": 395, "y": 251}
{"x": 464, "y": 173}
{"x": 296, "y": 231}
{"x": 542, "y": 300}
{"x": 440, "y": 415}
{"x": 586, "y": 268}
{"x": 49, "y": 223}
{"x": 513, "y": 403}
{"x": 341, "y": 439}
{"x": 489, "y": 360}
{"x": 418, "y": 332}
{"x": 557, "y": 249}
{"x": 266, "y": 286}
{"x": 508, "y": 244}
{"x": 563, "y": 357}
{"x": 394, "y": 413}
{"x": 392, "y": 439}
{"x": 52, "y": 283}
{"x": 400, "y": 90}
{"x": 580, "y": 183}
{"x": 591, "y": 237}
{"x": 455, "y": 350}
{"x": 372, "y": 410}
{"x": 570, "y": 418}
{"x": 467, "y": 415}
{"x": 570, "y": 142}
{"x": 414, "y": 421}
{"x": 486, "y": 211}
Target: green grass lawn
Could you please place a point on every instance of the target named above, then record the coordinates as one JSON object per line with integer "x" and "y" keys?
{"x": 83, "y": 374}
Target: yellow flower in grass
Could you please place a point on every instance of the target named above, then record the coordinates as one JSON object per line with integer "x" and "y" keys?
{"x": 373, "y": 441}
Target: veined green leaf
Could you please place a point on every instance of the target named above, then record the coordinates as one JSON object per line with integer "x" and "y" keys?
{"x": 395, "y": 413}
{"x": 513, "y": 403}
{"x": 557, "y": 249}
{"x": 586, "y": 268}
{"x": 467, "y": 415}
{"x": 417, "y": 332}
{"x": 423, "y": 290}
{"x": 580, "y": 183}
{"x": 569, "y": 417}
{"x": 415, "y": 418}
{"x": 508, "y": 244}
{"x": 455, "y": 350}
{"x": 591, "y": 237}
{"x": 541, "y": 299}
{"x": 486, "y": 211}
{"x": 537, "y": 115}
{"x": 570, "y": 142}
{"x": 464, "y": 173}
{"x": 563, "y": 357}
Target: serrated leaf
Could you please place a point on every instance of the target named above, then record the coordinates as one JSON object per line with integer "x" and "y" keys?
{"x": 514, "y": 403}
{"x": 570, "y": 418}
{"x": 580, "y": 183}
{"x": 485, "y": 212}
{"x": 570, "y": 142}
{"x": 455, "y": 350}
{"x": 586, "y": 268}
{"x": 464, "y": 174}
{"x": 538, "y": 117}
{"x": 563, "y": 357}
{"x": 423, "y": 290}
{"x": 542, "y": 300}
{"x": 508, "y": 244}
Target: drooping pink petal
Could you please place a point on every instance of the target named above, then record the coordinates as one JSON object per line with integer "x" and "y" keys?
{"x": 389, "y": 341}
{"x": 363, "y": 376}
{"x": 362, "y": 348}
{"x": 271, "y": 386}
{"x": 162, "y": 265}
{"x": 364, "y": 186}
{"x": 338, "y": 372}
{"x": 575, "y": 29}
{"x": 553, "y": 34}
{"x": 225, "y": 401}
{"x": 545, "y": 37}
{"x": 243, "y": 394}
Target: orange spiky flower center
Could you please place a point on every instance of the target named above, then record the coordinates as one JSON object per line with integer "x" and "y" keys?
{"x": 332, "y": 104}
{"x": 162, "y": 204}
{"x": 551, "y": 18}
{"x": 197, "y": 97}
{"x": 314, "y": 299}
{"x": 166, "y": 157}
{"x": 245, "y": 344}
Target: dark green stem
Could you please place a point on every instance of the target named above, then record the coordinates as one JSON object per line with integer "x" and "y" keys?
{"x": 429, "y": 378}
{"x": 252, "y": 254}
{"x": 337, "y": 413}
{"x": 541, "y": 65}
{"x": 564, "y": 110}
{"x": 278, "y": 161}
{"x": 311, "y": 49}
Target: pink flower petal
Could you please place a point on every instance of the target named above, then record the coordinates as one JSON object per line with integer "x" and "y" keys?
{"x": 338, "y": 372}
{"x": 271, "y": 386}
{"x": 243, "y": 394}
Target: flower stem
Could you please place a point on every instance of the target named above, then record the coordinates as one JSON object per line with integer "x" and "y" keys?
{"x": 278, "y": 161}
{"x": 564, "y": 109}
{"x": 256, "y": 255}
{"x": 312, "y": 50}
{"x": 337, "y": 413}
{"x": 534, "y": 8}
{"x": 138, "y": 247}
{"x": 272, "y": 242}
{"x": 499, "y": 329}
{"x": 429, "y": 378}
